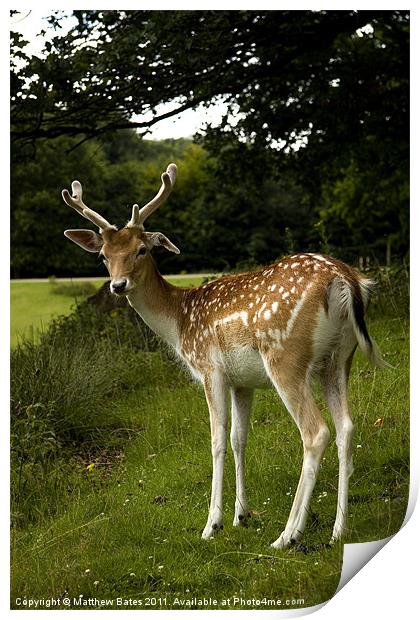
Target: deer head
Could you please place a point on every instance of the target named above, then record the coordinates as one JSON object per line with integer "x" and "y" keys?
{"x": 125, "y": 252}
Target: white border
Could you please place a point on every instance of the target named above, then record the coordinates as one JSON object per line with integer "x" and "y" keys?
{"x": 387, "y": 586}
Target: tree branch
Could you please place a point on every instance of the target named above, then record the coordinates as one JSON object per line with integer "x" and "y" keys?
{"x": 91, "y": 132}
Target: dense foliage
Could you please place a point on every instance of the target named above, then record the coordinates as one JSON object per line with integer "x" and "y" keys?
{"x": 316, "y": 130}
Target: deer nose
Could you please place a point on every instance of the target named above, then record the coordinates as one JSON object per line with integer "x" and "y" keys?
{"x": 119, "y": 286}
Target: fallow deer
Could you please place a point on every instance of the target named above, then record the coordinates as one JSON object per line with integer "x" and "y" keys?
{"x": 280, "y": 326}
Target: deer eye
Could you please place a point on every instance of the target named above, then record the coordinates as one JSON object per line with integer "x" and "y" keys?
{"x": 142, "y": 251}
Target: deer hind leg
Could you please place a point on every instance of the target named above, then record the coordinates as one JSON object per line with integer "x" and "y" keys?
{"x": 217, "y": 395}
{"x": 241, "y": 410}
{"x": 296, "y": 394}
{"x": 335, "y": 384}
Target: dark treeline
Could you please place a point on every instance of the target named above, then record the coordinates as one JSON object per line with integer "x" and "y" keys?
{"x": 312, "y": 154}
{"x": 217, "y": 223}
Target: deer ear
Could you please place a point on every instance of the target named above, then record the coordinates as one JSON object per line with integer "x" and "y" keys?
{"x": 87, "y": 239}
{"x": 157, "y": 238}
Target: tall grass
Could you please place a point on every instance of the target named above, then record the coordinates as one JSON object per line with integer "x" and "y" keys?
{"x": 62, "y": 393}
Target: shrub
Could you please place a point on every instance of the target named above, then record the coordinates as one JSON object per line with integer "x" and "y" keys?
{"x": 391, "y": 295}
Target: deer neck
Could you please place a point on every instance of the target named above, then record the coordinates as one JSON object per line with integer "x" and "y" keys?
{"x": 158, "y": 303}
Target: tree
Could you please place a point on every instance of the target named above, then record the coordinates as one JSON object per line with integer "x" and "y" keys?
{"x": 284, "y": 69}
{"x": 319, "y": 97}
{"x": 38, "y": 214}
{"x": 215, "y": 220}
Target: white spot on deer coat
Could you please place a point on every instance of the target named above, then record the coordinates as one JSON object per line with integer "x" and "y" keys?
{"x": 322, "y": 258}
{"x": 260, "y": 311}
{"x": 295, "y": 313}
{"x": 235, "y": 316}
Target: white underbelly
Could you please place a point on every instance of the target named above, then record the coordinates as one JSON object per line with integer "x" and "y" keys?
{"x": 244, "y": 368}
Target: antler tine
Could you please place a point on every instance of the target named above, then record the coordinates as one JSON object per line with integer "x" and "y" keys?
{"x": 75, "y": 201}
{"x": 168, "y": 181}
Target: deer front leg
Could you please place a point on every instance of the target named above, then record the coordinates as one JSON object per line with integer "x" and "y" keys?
{"x": 217, "y": 393}
{"x": 241, "y": 409}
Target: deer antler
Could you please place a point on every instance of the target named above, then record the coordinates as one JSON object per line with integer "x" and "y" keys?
{"x": 139, "y": 216}
{"x": 75, "y": 201}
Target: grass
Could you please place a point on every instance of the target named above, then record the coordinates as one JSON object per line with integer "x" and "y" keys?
{"x": 32, "y": 307}
{"x": 34, "y": 304}
{"x": 138, "y": 534}
{"x": 132, "y": 512}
